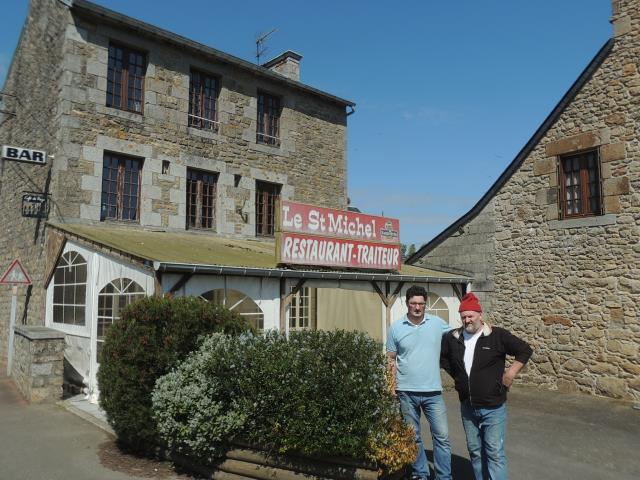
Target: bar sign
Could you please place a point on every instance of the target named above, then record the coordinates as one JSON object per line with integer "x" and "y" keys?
{"x": 27, "y": 155}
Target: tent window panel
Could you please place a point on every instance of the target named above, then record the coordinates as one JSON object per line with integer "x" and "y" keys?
{"x": 69, "y": 289}
{"x": 237, "y": 302}
{"x": 302, "y": 310}
{"x": 437, "y": 306}
{"x": 111, "y": 300}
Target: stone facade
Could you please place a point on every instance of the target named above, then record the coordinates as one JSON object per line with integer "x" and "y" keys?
{"x": 38, "y": 363}
{"x": 571, "y": 287}
{"x": 57, "y": 89}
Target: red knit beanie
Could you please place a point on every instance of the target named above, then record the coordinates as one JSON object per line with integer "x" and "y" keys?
{"x": 470, "y": 303}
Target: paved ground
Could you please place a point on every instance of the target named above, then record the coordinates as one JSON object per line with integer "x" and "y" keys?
{"x": 554, "y": 436}
{"x": 550, "y": 436}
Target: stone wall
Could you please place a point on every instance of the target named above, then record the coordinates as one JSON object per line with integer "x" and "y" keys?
{"x": 572, "y": 287}
{"x": 38, "y": 363}
{"x": 30, "y": 95}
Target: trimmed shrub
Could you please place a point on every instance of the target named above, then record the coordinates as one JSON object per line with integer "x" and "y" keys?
{"x": 318, "y": 393}
{"x": 152, "y": 336}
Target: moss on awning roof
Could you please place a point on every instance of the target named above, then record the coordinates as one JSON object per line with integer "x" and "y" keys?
{"x": 198, "y": 248}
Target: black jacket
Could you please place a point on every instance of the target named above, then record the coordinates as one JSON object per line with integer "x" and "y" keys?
{"x": 484, "y": 388}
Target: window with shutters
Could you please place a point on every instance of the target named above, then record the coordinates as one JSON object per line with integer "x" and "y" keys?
{"x": 125, "y": 78}
{"x": 201, "y": 199}
{"x": 579, "y": 183}
{"x": 267, "y": 195}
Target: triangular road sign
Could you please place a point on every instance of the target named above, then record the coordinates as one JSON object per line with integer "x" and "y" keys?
{"x": 15, "y": 274}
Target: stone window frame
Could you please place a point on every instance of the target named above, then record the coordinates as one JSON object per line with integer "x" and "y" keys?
{"x": 267, "y": 195}
{"x": 268, "y": 114}
{"x": 70, "y": 283}
{"x": 545, "y": 167}
{"x": 590, "y": 189}
{"x": 302, "y": 310}
{"x": 204, "y": 118}
{"x": 204, "y": 216}
{"x": 125, "y": 78}
{"x": 119, "y": 182}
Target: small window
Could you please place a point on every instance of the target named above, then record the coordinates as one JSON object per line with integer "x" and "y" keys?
{"x": 125, "y": 79}
{"x": 70, "y": 289}
{"x": 120, "y": 188}
{"x": 266, "y": 196}
{"x": 201, "y": 198}
{"x": 268, "y": 120}
{"x": 111, "y": 300}
{"x": 203, "y": 101}
{"x": 579, "y": 182}
{"x": 302, "y": 310}
{"x": 239, "y": 303}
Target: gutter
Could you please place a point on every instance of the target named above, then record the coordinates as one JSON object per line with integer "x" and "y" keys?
{"x": 169, "y": 267}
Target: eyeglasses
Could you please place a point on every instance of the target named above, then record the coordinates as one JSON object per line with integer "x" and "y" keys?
{"x": 417, "y": 304}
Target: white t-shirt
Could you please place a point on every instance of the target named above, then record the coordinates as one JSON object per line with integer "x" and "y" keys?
{"x": 470, "y": 340}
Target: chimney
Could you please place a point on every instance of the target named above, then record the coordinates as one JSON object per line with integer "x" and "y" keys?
{"x": 286, "y": 64}
{"x": 621, "y": 13}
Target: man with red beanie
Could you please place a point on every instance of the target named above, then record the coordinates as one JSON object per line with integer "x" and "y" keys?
{"x": 474, "y": 355}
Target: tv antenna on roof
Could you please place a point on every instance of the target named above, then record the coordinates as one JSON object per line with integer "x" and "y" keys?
{"x": 260, "y": 48}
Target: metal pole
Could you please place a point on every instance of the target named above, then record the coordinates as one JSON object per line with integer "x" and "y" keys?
{"x": 12, "y": 324}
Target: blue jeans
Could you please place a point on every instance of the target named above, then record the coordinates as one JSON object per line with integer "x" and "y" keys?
{"x": 432, "y": 404}
{"x": 485, "y": 429}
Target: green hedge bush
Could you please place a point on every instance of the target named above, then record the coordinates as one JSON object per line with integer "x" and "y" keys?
{"x": 152, "y": 336}
{"x": 318, "y": 393}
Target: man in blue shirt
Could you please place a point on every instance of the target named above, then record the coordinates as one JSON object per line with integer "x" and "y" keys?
{"x": 413, "y": 354}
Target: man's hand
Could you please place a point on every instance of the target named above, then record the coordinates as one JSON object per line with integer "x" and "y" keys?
{"x": 509, "y": 376}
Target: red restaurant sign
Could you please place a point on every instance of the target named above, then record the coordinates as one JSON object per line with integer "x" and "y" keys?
{"x": 310, "y": 235}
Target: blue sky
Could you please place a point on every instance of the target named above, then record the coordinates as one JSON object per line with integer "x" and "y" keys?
{"x": 446, "y": 93}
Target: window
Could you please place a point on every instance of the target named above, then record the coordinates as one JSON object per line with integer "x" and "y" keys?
{"x": 268, "y": 119}
{"x": 69, "y": 289}
{"x": 201, "y": 199}
{"x": 302, "y": 310}
{"x": 120, "y": 188}
{"x": 239, "y": 303}
{"x": 125, "y": 79}
{"x": 111, "y": 300}
{"x": 203, "y": 101}
{"x": 266, "y": 196}
{"x": 579, "y": 181}
{"x": 436, "y": 306}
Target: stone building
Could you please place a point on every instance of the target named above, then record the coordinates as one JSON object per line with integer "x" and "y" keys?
{"x": 165, "y": 161}
{"x": 553, "y": 245}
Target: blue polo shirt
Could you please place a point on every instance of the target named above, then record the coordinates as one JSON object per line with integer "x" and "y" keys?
{"x": 417, "y": 349}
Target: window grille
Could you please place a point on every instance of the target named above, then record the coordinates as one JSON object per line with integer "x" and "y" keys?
{"x": 267, "y": 195}
{"x": 120, "y": 188}
{"x": 580, "y": 185}
{"x": 201, "y": 199}
{"x": 268, "y": 120}
{"x": 203, "y": 101}
{"x": 125, "y": 79}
